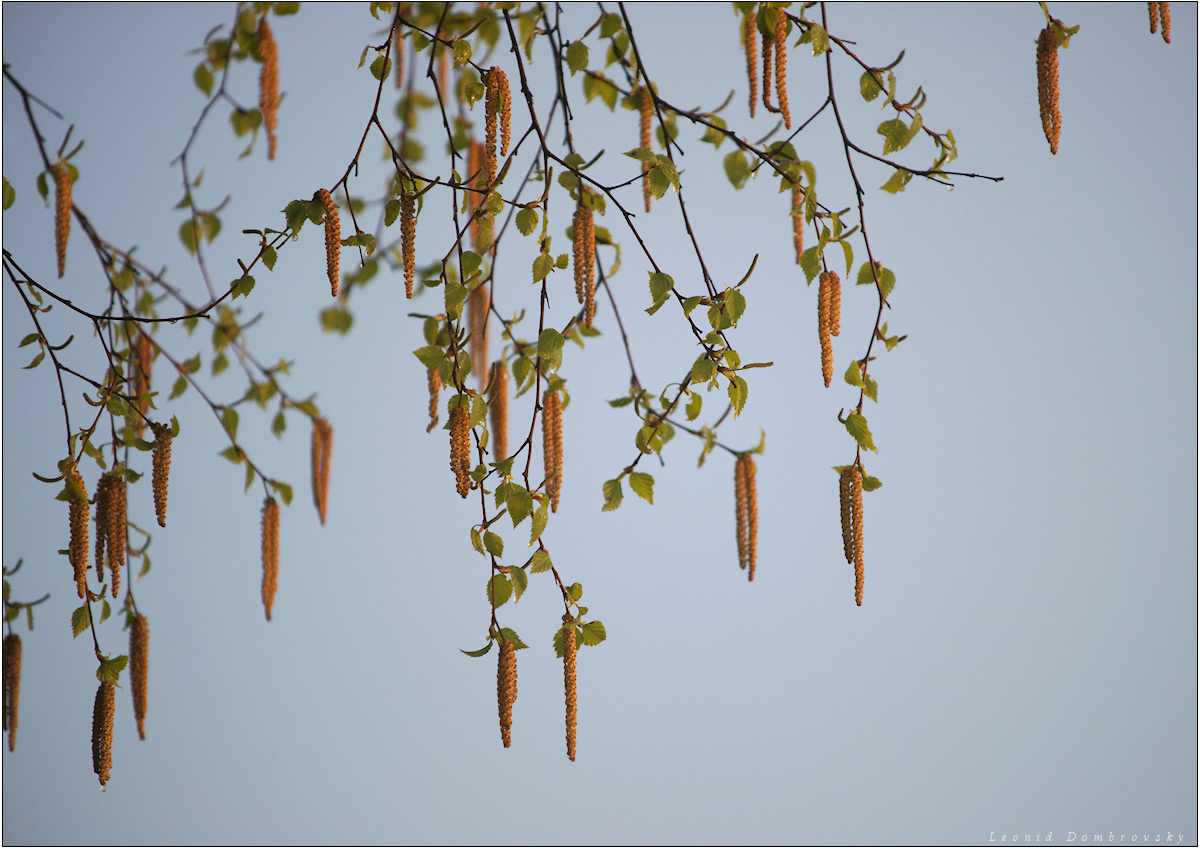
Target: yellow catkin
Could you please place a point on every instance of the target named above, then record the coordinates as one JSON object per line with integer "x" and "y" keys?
{"x": 497, "y": 104}
{"x": 506, "y": 687}
{"x": 478, "y": 304}
{"x": 569, "y": 685}
{"x": 435, "y": 387}
{"x": 498, "y": 408}
{"x": 476, "y": 159}
{"x": 162, "y": 470}
{"x": 781, "y": 25}
{"x": 139, "y": 669}
{"x": 856, "y": 509}
{"x": 103, "y": 491}
{"x": 584, "y": 249}
{"x": 333, "y": 237}
{"x": 102, "y": 731}
{"x": 1153, "y": 16}
{"x": 408, "y": 239}
{"x": 322, "y": 448}
{"x": 12, "y": 686}
{"x": 750, "y": 39}
{"x": 460, "y": 449}
{"x": 78, "y": 549}
{"x": 444, "y": 69}
{"x": 62, "y": 213}
{"x": 140, "y": 365}
{"x": 1047, "y": 67}
{"x": 844, "y": 502}
{"x": 268, "y": 83}
{"x": 768, "y": 53}
{"x": 823, "y": 327}
{"x": 116, "y": 526}
{"x": 1165, "y": 10}
{"x": 270, "y": 553}
{"x": 835, "y": 304}
{"x": 398, "y": 57}
{"x": 552, "y": 445}
{"x": 798, "y": 221}
{"x": 746, "y": 496}
{"x": 645, "y": 103}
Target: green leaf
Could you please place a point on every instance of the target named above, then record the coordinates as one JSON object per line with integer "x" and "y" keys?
{"x": 232, "y": 454}
{"x": 10, "y": 194}
{"x": 854, "y": 374}
{"x": 870, "y": 388}
{"x": 478, "y": 652}
{"x": 541, "y": 561}
{"x": 242, "y": 286}
{"x": 819, "y": 38}
{"x": 179, "y": 388}
{"x": 80, "y": 619}
{"x": 519, "y": 580}
{"x": 693, "y": 407}
{"x": 737, "y": 168}
{"x": 203, "y": 78}
{"x": 856, "y": 424}
{"x": 612, "y": 495}
{"x": 511, "y": 636}
{"x": 336, "y": 319}
{"x": 493, "y": 543}
{"x": 109, "y": 671}
{"x": 703, "y": 370}
{"x": 734, "y": 304}
{"x": 660, "y": 289}
{"x": 738, "y": 390}
{"x": 869, "y": 86}
{"x": 577, "y": 57}
{"x": 540, "y": 517}
{"x": 296, "y": 214}
{"x": 381, "y": 67}
{"x": 499, "y": 590}
{"x": 643, "y": 485}
{"x": 30, "y": 339}
{"x": 229, "y": 418}
{"x": 897, "y": 181}
{"x": 37, "y": 359}
{"x": 189, "y": 234}
{"x": 542, "y": 266}
{"x": 810, "y": 262}
{"x": 462, "y": 52}
{"x": 520, "y": 503}
{"x": 870, "y": 484}
{"x": 550, "y": 345}
{"x": 593, "y": 633}
{"x": 477, "y": 541}
{"x": 527, "y": 219}
{"x": 894, "y": 133}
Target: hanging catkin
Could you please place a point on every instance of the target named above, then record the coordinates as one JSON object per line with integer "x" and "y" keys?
{"x": 139, "y": 669}
{"x": 506, "y": 687}
{"x": 322, "y": 448}
{"x": 552, "y": 445}
{"x": 850, "y": 492}
{"x": 478, "y": 304}
{"x": 645, "y": 104}
{"x": 78, "y": 549}
{"x": 746, "y": 498}
{"x": 62, "y": 213}
{"x": 1047, "y": 68}
{"x": 835, "y": 305}
{"x": 750, "y": 39}
{"x": 398, "y": 56}
{"x": 115, "y": 526}
{"x": 1165, "y": 10}
{"x": 572, "y": 695}
{"x": 102, "y": 731}
{"x": 435, "y": 386}
{"x": 498, "y": 408}
{"x": 141, "y": 361}
{"x": 268, "y": 83}
{"x": 1153, "y": 6}
{"x": 768, "y": 53}
{"x": 408, "y": 239}
{"x": 460, "y": 449}
{"x": 12, "y": 686}
{"x": 583, "y": 247}
{"x": 781, "y": 25}
{"x": 497, "y": 104}
{"x": 270, "y": 553}
{"x": 333, "y": 237}
{"x": 798, "y": 221}
{"x": 823, "y": 326}
{"x": 102, "y": 499}
{"x": 162, "y": 469}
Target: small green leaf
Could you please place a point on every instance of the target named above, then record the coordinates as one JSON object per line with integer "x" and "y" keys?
{"x": 612, "y": 495}
{"x": 738, "y": 390}
{"x": 109, "y": 671}
{"x": 593, "y": 633}
{"x": 693, "y": 406}
{"x": 520, "y": 503}
{"x": 462, "y": 52}
{"x": 854, "y": 374}
{"x": 10, "y": 194}
{"x": 493, "y": 543}
{"x": 642, "y": 484}
{"x": 242, "y": 286}
{"x": 819, "y": 38}
{"x": 478, "y": 652}
{"x": 80, "y": 619}
{"x": 527, "y": 219}
{"x": 550, "y": 345}
{"x": 660, "y": 289}
{"x": 897, "y": 181}
{"x": 179, "y": 388}
{"x": 856, "y": 424}
{"x": 542, "y": 266}
{"x": 894, "y": 133}
{"x": 737, "y": 168}
{"x": 540, "y": 517}
{"x": 541, "y": 561}
{"x": 499, "y": 590}
{"x": 703, "y": 370}
{"x": 37, "y": 359}
{"x": 268, "y": 257}
{"x": 381, "y": 67}
{"x": 869, "y": 86}
{"x": 577, "y": 57}
{"x": 203, "y": 78}
{"x": 519, "y": 580}
{"x": 810, "y": 262}
{"x": 870, "y": 484}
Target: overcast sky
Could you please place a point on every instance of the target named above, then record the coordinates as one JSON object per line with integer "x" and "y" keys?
{"x": 1025, "y": 658}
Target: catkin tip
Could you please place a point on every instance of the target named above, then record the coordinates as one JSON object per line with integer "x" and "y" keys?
{"x": 333, "y": 237}
{"x": 268, "y": 83}
{"x": 645, "y": 102}
{"x": 824, "y": 326}
{"x": 569, "y": 683}
{"x": 408, "y": 239}
{"x": 745, "y": 492}
{"x": 552, "y": 445}
{"x": 781, "y": 26}
{"x": 322, "y": 449}
{"x": 460, "y": 449}
{"x": 750, "y": 39}
{"x": 78, "y": 548}
{"x": 162, "y": 469}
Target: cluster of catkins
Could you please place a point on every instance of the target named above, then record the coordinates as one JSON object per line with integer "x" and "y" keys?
{"x": 774, "y": 47}
{"x": 745, "y": 493}
{"x": 850, "y": 490}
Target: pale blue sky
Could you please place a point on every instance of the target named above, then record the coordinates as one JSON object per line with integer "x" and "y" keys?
{"x": 1025, "y": 658}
